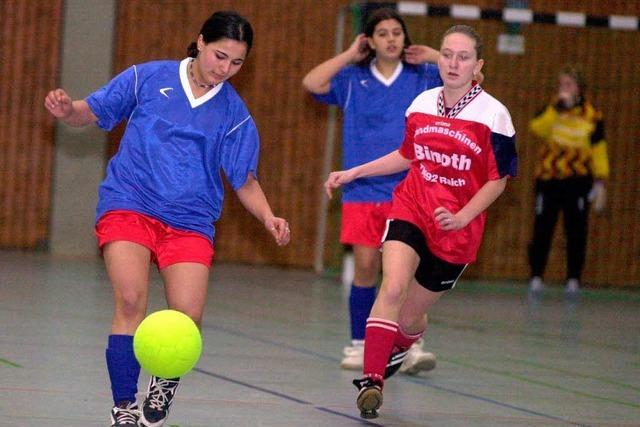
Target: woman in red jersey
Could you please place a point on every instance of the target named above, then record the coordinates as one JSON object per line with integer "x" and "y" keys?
{"x": 459, "y": 147}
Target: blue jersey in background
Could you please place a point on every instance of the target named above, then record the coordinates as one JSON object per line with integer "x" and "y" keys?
{"x": 374, "y": 119}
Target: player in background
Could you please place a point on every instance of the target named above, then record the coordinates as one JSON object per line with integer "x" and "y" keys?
{"x": 571, "y": 172}
{"x": 459, "y": 147}
{"x": 373, "y": 82}
{"x": 163, "y": 189}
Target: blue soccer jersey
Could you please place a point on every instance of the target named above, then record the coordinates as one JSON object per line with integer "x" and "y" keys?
{"x": 175, "y": 146}
{"x": 374, "y": 118}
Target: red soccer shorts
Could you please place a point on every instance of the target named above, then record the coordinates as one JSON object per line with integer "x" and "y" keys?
{"x": 168, "y": 245}
{"x": 363, "y": 223}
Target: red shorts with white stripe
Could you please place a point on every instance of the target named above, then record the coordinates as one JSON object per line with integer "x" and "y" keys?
{"x": 363, "y": 223}
{"x": 168, "y": 245}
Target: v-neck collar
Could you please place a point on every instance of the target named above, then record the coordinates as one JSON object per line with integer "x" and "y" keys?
{"x": 382, "y": 79}
{"x": 462, "y": 102}
{"x": 184, "y": 79}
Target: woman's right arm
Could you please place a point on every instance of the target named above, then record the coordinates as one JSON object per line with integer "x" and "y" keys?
{"x": 74, "y": 113}
{"x": 386, "y": 165}
{"x": 318, "y": 80}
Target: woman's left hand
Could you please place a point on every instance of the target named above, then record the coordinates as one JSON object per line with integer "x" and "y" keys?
{"x": 420, "y": 54}
{"x": 447, "y": 220}
{"x": 279, "y": 229}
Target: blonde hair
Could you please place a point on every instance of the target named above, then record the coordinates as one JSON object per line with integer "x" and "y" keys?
{"x": 468, "y": 31}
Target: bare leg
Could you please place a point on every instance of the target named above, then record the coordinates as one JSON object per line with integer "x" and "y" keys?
{"x": 413, "y": 317}
{"x": 367, "y": 265}
{"x": 186, "y": 286}
{"x": 399, "y": 262}
{"x": 128, "y": 269}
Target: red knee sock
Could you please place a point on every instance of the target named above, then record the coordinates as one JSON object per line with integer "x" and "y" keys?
{"x": 380, "y": 335}
{"x": 404, "y": 340}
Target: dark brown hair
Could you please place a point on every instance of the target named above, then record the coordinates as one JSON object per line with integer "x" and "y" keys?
{"x": 377, "y": 16}
{"x": 224, "y": 24}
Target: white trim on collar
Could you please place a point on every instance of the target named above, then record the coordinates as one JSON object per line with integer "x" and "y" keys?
{"x": 184, "y": 79}
{"x": 378, "y": 75}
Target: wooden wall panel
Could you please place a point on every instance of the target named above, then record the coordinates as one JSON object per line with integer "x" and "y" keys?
{"x": 293, "y": 36}
{"x": 30, "y": 40}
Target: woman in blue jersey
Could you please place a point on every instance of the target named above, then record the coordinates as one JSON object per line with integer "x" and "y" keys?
{"x": 373, "y": 82}
{"x": 163, "y": 189}
{"x": 459, "y": 148}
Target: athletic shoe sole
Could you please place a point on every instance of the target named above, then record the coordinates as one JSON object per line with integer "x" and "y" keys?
{"x": 369, "y": 401}
{"x": 427, "y": 364}
{"x": 351, "y": 366}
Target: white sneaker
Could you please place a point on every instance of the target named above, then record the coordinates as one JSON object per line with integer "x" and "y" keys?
{"x": 572, "y": 286}
{"x": 353, "y": 356}
{"x": 536, "y": 284}
{"x": 418, "y": 360}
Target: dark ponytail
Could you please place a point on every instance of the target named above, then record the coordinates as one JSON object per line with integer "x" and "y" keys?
{"x": 229, "y": 25}
{"x": 192, "y": 50}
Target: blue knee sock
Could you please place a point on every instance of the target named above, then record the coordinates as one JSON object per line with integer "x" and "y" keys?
{"x": 123, "y": 368}
{"x": 360, "y": 302}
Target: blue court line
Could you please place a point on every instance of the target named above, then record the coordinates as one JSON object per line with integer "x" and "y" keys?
{"x": 511, "y": 330}
{"x": 524, "y": 379}
{"x": 417, "y": 380}
{"x": 572, "y": 373}
{"x": 335, "y": 360}
{"x": 483, "y": 326}
{"x": 414, "y": 380}
{"x": 285, "y": 397}
{"x": 273, "y": 343}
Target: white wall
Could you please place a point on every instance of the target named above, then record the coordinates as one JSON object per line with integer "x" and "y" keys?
{"x": 87, "y": 52}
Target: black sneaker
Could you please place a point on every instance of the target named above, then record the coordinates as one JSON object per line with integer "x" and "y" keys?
{"x": 155, "y": 408}
{"x": 395, "y": 361}
{"x": 369, "y": 398}
{"x": 125, "y": 414}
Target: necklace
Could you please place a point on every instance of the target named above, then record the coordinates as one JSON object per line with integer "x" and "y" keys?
{"x": 193, "y": 78}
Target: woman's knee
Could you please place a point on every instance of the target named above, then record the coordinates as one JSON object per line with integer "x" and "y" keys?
{"x": 366, "y": 269}
{"x": 195, "y": 315}
{"x": 130, "y": 303}
{"x": 412, "y": 321}
{"x": 393, "y": 292}
{"x": 366, "y": 273}
{"x": 195, "y": 310}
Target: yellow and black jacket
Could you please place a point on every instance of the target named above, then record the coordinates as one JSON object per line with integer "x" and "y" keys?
{"x": 574, "y": 143}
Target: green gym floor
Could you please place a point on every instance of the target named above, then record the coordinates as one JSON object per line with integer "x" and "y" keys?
{"x": 273, "y": 340}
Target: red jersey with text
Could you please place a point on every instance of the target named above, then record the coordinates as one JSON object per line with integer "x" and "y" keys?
{"x": 454, "y": 152}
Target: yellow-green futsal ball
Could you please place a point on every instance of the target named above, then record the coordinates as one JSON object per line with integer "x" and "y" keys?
{"x": 167, "y": 344}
